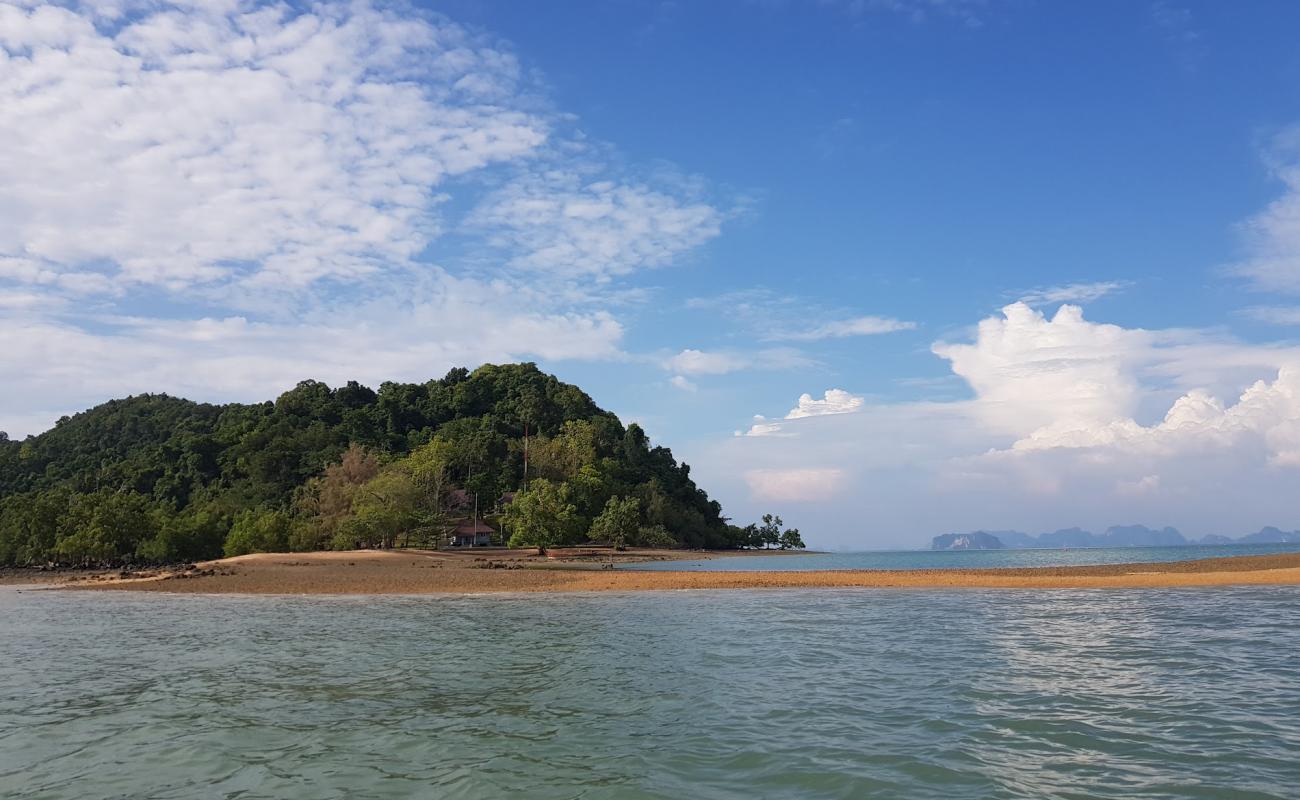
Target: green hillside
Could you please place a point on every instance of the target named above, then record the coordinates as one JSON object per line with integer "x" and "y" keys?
{"x": 157, "y": 478}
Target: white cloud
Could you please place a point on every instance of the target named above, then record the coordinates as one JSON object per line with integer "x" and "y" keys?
{"x": 700, "y": 362}
{"x": 561, "y": 223}
{"x": 1273, "y": 235}
{"x": 1029, "y": 371}
{"x": 63, "y": 366}
{"x": 772, "y": 316}
{"x": 200, "y": 144}
{"x": 1073, "y": 293}
{"x": 794, "y": 485}
{"x": 1070, "y": 422}
{"x": 839, "y": 329}
{"x": 1266, "y": 417}
{"x": 218, "y": 199}
{"x": 681, "y": 382}
{"x": 722, "y": 362}
{"x": 1275, "y": 315}
{"x": 835, "y": 401}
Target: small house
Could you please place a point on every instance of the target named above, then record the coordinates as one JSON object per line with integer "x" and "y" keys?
{"x": 469, "y": 533}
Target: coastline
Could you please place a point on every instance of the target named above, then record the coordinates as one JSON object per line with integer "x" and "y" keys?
{"x": 433, "y": 572}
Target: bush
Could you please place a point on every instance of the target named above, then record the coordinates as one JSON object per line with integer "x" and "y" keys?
{"x": 654, "y": 536}
{"x": 259, "y": 532}
{"x": 187, "y": 537}
{"x": 617, "y": 524}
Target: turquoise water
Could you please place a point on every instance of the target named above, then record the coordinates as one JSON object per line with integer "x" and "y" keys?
{"x": 968, "y": 559}
{"x": 742, "y": 694}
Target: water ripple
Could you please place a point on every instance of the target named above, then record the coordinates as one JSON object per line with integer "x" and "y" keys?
{"x": 821, "y": 694}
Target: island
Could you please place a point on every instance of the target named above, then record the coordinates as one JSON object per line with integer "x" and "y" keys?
{"x": 505, "y": 456}
{"x": 975, "y": 540}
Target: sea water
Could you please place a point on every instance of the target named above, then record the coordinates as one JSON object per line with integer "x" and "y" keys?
{"x": 692, "y": 694}
{"x": 968, "y": 559}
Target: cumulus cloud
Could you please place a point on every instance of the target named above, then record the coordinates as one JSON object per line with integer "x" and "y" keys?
{"x": 1266, "y": 418}
{"x": 683, "y": 383}
{"x": 1029, "y": 371}
{"x": 835, "y": 401}
{"x": 1069, "y": 422}
{"x": 839, "y": 329}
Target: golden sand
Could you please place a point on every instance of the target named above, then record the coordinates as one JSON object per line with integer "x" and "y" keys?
{"x": 426, "y": 572}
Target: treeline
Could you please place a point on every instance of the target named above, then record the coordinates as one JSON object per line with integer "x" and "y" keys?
{"x": 155, "y": 479}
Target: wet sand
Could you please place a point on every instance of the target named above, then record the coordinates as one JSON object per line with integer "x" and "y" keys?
{"x": 426, "y": 572}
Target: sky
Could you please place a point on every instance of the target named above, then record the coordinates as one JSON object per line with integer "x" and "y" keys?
{"x": 888, "y": 268}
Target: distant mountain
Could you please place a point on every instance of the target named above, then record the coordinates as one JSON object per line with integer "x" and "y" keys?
{"x": 1270, "y": 535}
{"x": 1017, "y": 540}
{"x": 976, "y": 540}
{"x": 1069, "y": 537}
{"x": 1115, "y": 536}
{"x": 1142, "y": 536}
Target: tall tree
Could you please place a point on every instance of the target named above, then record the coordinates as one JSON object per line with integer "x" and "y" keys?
{"x": 543, "y": 516}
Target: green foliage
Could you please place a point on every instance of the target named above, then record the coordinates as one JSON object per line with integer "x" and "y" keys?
{"x": 259, "y": 532}
{"x": 385, "y": 508}
{"x": 191, "y": 536}
{"x": 105, "y": 525}
{"x": 619, "y": 523}
{"x": 654, "y": 536}
{"x": 769, "y": 534}
{"x": 156, "y": 478}
{"x": 543, "y": 516}
{"x": 791, "y": 540}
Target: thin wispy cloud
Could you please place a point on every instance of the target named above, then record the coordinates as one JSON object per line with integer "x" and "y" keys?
{"x": 1073, "y": 293}
{"x": 721, "y": 362}
{"x": 780, "y": 317}
{"x": 843, "y": 328}
{"x": 1275, "y": 315}
{"x": 1175, "y": 22}
{"x": 1272, "y": 261}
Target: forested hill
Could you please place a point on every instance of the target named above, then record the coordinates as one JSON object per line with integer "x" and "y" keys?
{"x": 157, "y": 478}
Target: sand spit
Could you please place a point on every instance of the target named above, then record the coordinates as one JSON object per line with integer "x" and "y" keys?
{"x": 428, "y": 572}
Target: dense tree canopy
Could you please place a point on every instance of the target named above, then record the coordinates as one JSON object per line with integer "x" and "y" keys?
{"x": 156, "y": 478}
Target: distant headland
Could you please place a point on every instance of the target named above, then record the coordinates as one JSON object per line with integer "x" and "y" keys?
{"x": 1115, "y": 536}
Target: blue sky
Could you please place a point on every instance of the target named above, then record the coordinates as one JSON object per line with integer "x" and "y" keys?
{"x": 698, "y": 212}
{"x": 934, "y": 168}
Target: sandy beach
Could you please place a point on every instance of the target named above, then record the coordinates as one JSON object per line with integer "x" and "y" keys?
{"x": 429, "y": 572}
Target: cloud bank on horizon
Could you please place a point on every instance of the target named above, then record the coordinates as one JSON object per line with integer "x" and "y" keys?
{"x": 1055, "y": 429}
{"x": 216, "y": 199}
